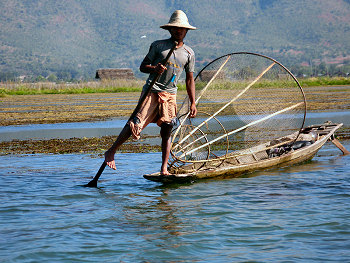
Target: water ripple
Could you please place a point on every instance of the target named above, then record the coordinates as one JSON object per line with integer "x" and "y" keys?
{"x": 294, "y": 214}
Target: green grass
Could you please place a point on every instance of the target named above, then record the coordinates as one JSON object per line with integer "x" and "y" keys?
{"x": 114, "y": 86}
{"x": 111, "y": 86}
{"x": 324, "y": 81}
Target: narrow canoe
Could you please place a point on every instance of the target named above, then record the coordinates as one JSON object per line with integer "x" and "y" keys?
{"x": 257, "y": 160}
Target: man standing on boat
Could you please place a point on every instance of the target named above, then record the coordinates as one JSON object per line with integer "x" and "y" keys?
{"x": 160, "y": 104}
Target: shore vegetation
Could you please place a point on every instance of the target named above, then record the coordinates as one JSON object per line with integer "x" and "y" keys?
{"x": 117, "y": 86}
{"x": 41, "y": 88}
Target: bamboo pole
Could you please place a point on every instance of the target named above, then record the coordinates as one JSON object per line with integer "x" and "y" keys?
{"x": 212, "y": 79}
{"x": 242, "y": 128}
{"x": 226, "y": 105}
{"x": 201, "y": 94}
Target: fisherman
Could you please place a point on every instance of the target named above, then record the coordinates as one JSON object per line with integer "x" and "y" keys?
{"x": 160, "y": 104}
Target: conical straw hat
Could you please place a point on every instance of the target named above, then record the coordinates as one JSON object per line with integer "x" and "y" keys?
{"x": 178, "y": 19}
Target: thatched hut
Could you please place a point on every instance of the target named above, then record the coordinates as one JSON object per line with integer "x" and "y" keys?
{"x": 115, "y": 73}
{"x": 206, "y": 75}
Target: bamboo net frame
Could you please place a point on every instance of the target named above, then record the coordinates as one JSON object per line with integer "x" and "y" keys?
{"x": 245, "y": 99}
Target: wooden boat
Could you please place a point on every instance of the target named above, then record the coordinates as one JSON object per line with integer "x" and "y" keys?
{"x": 277, "y": 153}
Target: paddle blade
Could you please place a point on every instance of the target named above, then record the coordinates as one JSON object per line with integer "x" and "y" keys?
{"x": 92, "y": 183}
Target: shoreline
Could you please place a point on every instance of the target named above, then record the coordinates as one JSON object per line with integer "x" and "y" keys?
{"x": 94, "y": 145}
{"x": 66, "y": 108}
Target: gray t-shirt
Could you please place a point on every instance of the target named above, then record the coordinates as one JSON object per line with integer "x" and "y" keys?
{"x": 182, "y": 58}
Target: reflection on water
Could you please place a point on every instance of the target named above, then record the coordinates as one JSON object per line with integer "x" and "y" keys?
{"x": 113, "y": 127}
{"x": 298, "y": 214}
{"x": 66, "y": 130}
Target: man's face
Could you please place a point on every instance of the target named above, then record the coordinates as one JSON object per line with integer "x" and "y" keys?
{"x": 178, "y": 33}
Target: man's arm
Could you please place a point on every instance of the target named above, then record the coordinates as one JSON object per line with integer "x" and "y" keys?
{"x": 146, "y": 67}
{"x": 191, "y": 91}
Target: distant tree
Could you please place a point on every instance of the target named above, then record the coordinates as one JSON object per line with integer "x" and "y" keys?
{"x": 7, "y": 76}
{"x": 64, "y": 75}
{"x": 52, "y": 78}
{"x": 40, "y": 78}
{"x": 322, "y": 69}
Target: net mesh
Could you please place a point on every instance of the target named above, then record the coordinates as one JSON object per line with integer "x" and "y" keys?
{"x": 243, "y": 100}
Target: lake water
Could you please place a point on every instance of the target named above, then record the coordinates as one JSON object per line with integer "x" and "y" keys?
{"x": 114, "y": 126}
{"x": 295, "y": 214}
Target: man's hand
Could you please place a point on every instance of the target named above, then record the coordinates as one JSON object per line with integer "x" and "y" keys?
{"x": 193, "y": 110}
{"x": 159, "y": 69}
{"x": 146, "y": 67}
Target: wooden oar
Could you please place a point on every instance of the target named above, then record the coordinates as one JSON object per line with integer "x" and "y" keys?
{"x": 339, "y": 145}
{"x": 93, "y": 182}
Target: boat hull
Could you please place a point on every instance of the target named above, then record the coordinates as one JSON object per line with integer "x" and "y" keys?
{"x": 291, "y": 158}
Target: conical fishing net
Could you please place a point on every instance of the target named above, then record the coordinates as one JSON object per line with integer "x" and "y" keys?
{"x": 244, "y": 101}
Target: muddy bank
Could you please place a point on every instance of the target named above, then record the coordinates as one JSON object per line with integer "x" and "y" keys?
{"x": 95, "y": 145}
{"x": 74, "y": 145}
{"x": 62, "y": 108}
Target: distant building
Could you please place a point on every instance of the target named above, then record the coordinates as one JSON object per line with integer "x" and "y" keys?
{"x": 206, "y": 75}
{"x": 115, "y": 73}
{"x": 22, "y": 78}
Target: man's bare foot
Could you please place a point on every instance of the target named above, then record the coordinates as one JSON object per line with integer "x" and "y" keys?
{"x": 109, "y": 159}
{"x": 164, "y": 172}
